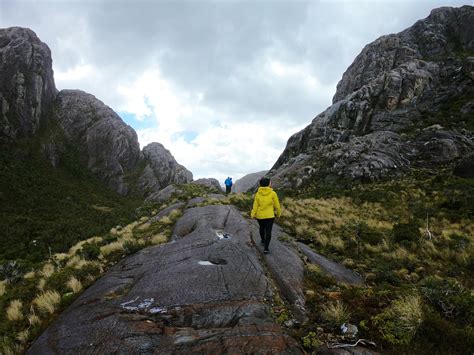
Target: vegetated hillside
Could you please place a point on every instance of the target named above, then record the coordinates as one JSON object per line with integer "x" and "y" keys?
{"x": 412, "y": 240}
{"x": 46, "y": 209}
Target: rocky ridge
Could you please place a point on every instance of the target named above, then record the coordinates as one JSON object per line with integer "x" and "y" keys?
{"x": 72, "y": 119}
{"x": 406, "y": 101}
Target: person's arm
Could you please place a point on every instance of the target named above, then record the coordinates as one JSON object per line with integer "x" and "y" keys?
{"x": 276, "y": 204}
{"x": 255, "y": 207}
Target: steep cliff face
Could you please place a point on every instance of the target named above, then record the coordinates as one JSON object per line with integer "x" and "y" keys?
{"x": 26, "y": 82}
{"x": 109, "y": 147}
{"x": 73, "y": 120}
{"x": 407, "y": 100}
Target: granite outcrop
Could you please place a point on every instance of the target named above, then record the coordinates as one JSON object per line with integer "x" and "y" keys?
{"x": 74, "y": 123}
{"x": 406, "y": 101}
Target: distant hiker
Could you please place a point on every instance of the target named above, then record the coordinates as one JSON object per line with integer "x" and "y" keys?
{"x": 228, "y": 185}
{"x": 265, "y": 206}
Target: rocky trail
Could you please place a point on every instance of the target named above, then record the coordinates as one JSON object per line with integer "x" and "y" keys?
{"x": 209, "y": 290}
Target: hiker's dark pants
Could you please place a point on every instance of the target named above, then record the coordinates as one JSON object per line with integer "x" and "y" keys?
{"x": 266, "y": 225}
{"x": 227, "y": 189}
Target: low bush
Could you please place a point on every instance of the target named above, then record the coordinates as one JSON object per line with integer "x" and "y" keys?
{"x": 399, "y": 323}
{"x": 406, "y": 233}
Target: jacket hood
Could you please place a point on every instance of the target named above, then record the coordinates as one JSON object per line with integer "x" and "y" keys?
{"x": 266, "y": 190}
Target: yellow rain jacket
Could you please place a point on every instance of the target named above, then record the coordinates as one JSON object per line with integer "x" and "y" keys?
{"x": 266, "y": 204}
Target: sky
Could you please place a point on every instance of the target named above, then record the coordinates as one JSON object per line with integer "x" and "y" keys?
{"x": 221, "y": 84}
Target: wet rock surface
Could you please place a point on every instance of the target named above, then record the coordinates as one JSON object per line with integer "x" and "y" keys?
{"x": 204, "y": 292}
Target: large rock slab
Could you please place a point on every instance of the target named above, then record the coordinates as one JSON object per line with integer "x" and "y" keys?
{"x": 286, "y": 268}
{"x": 202, "y": 293}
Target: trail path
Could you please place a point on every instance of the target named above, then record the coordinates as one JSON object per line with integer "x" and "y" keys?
{"x": 209, "y": 290}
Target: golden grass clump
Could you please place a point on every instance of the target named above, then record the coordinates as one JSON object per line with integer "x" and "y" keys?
{"x": 77, "y": 262}
{"x": 47, "y": 270}
{"x": 23, "y": 336}
{"x": 29, "y": 275}
{"x": 60, "y": 256}
{"x": 334, "y": 314}
{"x": 3, "y": 287}
{"x": 74, "y": 285}
{"x": 144, "y": 226}
{"x": 48, "y": 301}
{"x": 14, "y": 312}
{"x": 112, "y": 247}
{"x": 159, "y": 239}
{"x": 400, "y": 321}
{"x": 41, "y": 284}
{"x": 33, "y": 319}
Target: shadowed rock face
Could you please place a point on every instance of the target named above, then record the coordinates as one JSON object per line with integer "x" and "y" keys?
{"x": 405, "y": 101}
{"x": 109, "y": 145}
{"x": 26, "y": 82}
{"x": 202, "y": 293}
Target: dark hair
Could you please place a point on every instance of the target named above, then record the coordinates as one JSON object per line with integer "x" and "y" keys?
{"x": 264, "y": 182}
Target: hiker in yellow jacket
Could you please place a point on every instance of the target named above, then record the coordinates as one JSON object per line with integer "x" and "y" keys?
{"x": 265, "y": 206}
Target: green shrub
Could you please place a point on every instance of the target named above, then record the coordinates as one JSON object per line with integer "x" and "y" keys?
{"x": 311, "y": 341}
{"x": 450, "y": 298}
{"x": 399, "y": 323}
{"x": 131, "y": 247}
{"x": 406, "y": 233}
{"x": 89, "y": 251}
{"x": 318, "y": 276}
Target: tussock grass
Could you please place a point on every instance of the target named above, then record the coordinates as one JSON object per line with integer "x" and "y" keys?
{"x": 77, "y": 262}
{"x": 23, "y": 336}
{"x": 334, "y": 314}
{"x": 14, "y": 310}
{"x": 33, "y": 319}
{"x": 47, "y": 302}
{"x": 110, "y": 248}
{"x": 74, "y": 285}
{"x": 400, "y": 321}
{"x": 40, "y": 285}
{"x": 3, "y": 287}
{"x": 159, "y": 239}
{"x": 47, "y": 270}
{"x": 29, "y": 275}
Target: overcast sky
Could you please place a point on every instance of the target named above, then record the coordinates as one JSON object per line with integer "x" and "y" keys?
{"x": 222, "y": 84}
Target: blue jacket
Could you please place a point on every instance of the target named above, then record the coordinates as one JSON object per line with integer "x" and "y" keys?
{"x": 228, "y": 182}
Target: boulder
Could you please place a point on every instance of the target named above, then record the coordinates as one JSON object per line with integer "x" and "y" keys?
{"x": 161, "y": 170}
{"x": 208, "y": 182}
{"x": 248, "y": 182}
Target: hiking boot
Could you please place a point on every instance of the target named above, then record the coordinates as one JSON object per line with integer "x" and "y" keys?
{"x": 266, "y": 251}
